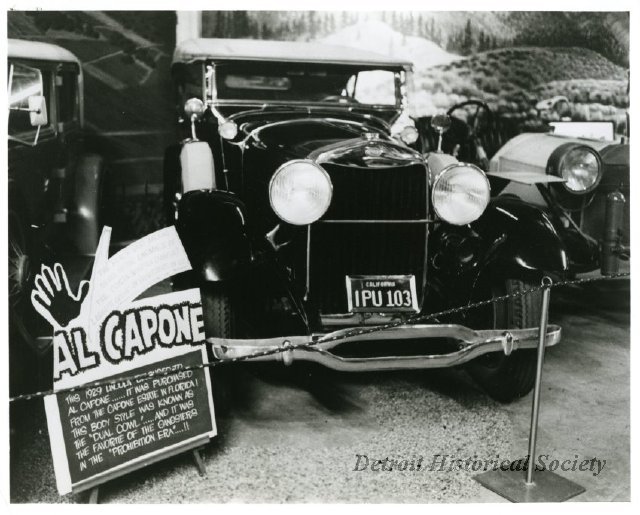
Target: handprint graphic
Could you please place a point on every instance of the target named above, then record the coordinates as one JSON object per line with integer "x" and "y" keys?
{"x": 52, "y": 296}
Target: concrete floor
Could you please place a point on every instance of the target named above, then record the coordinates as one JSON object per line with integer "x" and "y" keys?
{"x": 293, "y": 435}
{"x": 585, "y": 399}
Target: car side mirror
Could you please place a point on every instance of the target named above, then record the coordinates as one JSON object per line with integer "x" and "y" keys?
{"x": 38, "y": 111}
{"x": 440, "y": 123}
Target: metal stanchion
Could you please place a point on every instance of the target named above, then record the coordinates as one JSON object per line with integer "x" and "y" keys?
{"x": 511, "y": 483}
{"x": 535, "y": 406}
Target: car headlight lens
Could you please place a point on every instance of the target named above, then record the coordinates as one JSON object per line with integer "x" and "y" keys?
{"x": 409, "y": 135}
{"x": 460, "y": 193}
{"x": 581, "y": 169}
{"x": 228, "y": 129}
{"x": 300, "y": 192}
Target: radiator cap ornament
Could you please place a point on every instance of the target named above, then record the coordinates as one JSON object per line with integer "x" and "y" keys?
{"x": 373, "y": 150}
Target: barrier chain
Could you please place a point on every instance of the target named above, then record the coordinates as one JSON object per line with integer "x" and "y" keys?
{"x": 325, "y": 339}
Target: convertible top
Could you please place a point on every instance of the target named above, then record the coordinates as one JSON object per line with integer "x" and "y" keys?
{"x": 279, "y": 51}
{"x": 20, "y": 48}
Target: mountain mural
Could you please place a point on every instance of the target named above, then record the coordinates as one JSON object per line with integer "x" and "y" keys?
{"x": 458, "y": 32}
{"x": 377, "y": 36}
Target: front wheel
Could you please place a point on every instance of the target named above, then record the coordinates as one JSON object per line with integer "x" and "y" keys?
{"x": 29, "y": 360}
{"x": 219, "y": 321}
{"x": 507, "y": 378}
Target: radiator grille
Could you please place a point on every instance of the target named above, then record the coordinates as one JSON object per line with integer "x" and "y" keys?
{"x": 398, "y": 193}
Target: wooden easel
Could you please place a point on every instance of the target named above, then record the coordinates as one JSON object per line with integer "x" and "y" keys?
{"x": 197, "y": 457}
{"x": 195, "y": 447}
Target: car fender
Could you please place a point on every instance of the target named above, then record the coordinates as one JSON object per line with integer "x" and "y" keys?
{"x": 212, "y": 227}
{"x": 521, "y": 241}
{"x": 86, "y": 219}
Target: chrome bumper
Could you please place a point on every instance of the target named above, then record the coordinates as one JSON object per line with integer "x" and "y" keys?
{"x": 470, "y": 343}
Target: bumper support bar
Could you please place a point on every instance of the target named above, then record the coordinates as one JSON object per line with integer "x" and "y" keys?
{"x": 470, "y": 345}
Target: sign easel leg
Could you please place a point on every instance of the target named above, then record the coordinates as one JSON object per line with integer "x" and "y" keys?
{"x": 93, "y": 495}
{"x": 197, "y": 457}
{"x": 545, "y": 486}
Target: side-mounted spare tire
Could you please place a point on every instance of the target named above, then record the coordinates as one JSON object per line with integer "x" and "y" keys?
{"x": 507, "y": 378}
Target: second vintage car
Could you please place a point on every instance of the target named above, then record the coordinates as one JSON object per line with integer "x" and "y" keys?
{"x": 306, "y": 215}
{"x": 55, "y": 184}
{"x": 577, "y": 172}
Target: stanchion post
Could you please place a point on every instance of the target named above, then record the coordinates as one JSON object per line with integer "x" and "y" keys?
{"x": 535, "y": 406}
{"x": 510, "y": 483}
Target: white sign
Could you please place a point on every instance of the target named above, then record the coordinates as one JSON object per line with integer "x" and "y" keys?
{"x": 104, "y": 330}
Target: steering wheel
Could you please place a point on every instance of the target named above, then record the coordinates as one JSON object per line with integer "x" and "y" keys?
{"x": 475, "y": 128}
{"x": 473, "y": 120}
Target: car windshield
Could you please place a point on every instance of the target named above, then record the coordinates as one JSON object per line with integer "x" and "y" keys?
{"x": 309, "y": 83}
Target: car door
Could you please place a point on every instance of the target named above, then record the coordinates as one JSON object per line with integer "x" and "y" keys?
{"x": 32, "y": 150}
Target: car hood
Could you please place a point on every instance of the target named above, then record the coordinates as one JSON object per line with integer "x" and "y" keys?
{"x": 347, "y": 141}
{"x": 530, "y": 152}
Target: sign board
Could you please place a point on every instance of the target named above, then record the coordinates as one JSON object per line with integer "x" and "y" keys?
{"x": 106, "y": 333}
{"x": 111, "y": 429}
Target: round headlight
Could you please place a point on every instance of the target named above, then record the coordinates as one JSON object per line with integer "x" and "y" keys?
{"x": 228, "y": 129}
{"x": 460, "y": 193}
{"x": 300, "y": 192}
{"x": 580, "y": 167}
{"x": 409, "y": 135}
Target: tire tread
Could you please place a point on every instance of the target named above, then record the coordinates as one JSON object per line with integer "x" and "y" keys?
{"x": 515, "y": 376}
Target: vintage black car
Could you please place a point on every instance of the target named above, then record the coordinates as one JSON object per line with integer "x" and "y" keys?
{"x": 307, "y": 210}
{"x": 54, "y": 190}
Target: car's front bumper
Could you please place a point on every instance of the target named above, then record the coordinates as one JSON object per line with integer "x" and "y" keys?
{"x": 469, "y": 344}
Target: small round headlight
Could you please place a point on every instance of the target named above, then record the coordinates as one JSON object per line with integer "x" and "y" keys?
{"x": 460, "y": 193}
{"x": 409, "y": 135}
{"x": 581, "y": 168}
{"x": 300, "y": 192}
{"x": 228, "y": 129}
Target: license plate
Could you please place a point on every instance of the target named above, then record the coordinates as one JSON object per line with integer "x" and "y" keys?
{"x": 381, "y": 293}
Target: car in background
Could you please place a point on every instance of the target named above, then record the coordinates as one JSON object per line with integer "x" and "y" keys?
{"x": 310, "y": 219}
{"x": 578, "y": 173}
{"x": 54, "y": 189}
